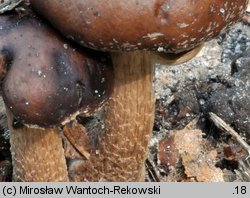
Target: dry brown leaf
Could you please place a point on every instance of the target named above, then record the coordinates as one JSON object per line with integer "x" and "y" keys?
{"x": 187, "y": 140}
{"x": 199, "y": 163}
{"x": 168, "y": 154}
{"x": 202, "y": 167}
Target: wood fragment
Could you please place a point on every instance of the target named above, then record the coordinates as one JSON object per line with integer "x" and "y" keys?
{"x": 244, "y": 170}
{"x": 76, "y": 135}
{"x": 8, "y": 5}
{"x": 225, "y": 127}
{"x": 169, "y": 101}
{"x": 151, "y": 168}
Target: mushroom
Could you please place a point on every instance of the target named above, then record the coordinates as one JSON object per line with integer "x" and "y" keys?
{"x": 46, "y": 82}
{"x": 130, "y": 30}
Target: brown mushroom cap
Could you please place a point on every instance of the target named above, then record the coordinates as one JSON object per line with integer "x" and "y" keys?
{"x": 174, "y": 25}
{"x": 48, "y": 80}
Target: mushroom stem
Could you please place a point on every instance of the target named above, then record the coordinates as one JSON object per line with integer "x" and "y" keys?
{"x": 129, "y": 120}
{"x": 40, "y": 157}
{"x": 130, "y": 116}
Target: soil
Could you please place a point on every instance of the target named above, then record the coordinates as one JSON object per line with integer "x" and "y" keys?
{"x": 216, "y": 80}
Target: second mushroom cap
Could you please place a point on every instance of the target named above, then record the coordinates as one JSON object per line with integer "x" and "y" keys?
{"x": 49, "y": 80}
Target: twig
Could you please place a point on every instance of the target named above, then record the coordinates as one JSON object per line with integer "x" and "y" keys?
{"x": 76, "y": 135}
{"x": 244, "y": 170}
{"x": 224, "y": 126}
{"x": 169, "y": 100}
{"x": 152, "y": 171}
{"x": 8, "y": 5}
